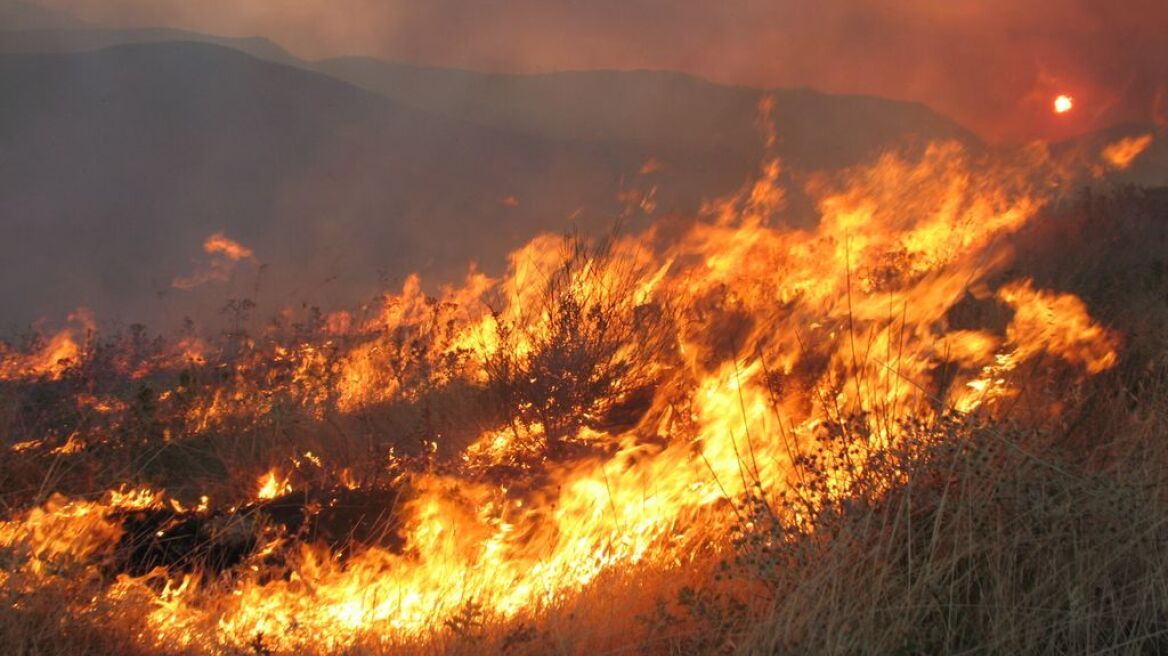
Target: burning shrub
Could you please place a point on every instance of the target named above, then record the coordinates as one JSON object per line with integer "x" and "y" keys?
{"x": 587, "y": 354}
{"x": 634, "y": 406}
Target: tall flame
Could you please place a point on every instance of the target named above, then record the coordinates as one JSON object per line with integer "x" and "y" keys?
{"x": 652, "y": 382}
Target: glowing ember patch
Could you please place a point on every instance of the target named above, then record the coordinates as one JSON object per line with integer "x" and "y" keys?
{"x": 1063, "y": 104}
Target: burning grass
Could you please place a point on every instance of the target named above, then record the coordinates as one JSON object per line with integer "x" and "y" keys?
{"x": 930, "y": 424}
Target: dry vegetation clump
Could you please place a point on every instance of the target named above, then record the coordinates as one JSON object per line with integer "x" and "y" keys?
{"x": 587, "y": 354}
{"x": 988, "y": 539}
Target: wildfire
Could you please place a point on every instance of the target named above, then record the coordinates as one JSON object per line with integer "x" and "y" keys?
{"x": 644, "y": 389}
{"x": 54, "y": 357}
{"x": 222, "y": 256}
{"x": 1122, "y": 153}
{"x": 1063, "y": 104}
{"x": 272, "y": 486}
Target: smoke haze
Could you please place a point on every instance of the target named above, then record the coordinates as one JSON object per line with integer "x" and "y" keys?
{"x": 993, "y": 65}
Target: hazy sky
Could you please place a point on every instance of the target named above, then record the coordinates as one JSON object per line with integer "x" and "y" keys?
{"x": 994, "y": 65}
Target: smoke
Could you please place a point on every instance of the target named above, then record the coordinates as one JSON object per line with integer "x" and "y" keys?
{"x": 992, "y": 64}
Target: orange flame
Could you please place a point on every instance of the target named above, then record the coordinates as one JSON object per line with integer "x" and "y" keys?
{"x": 224, "y": 255}
{"x": 1122, "y": 153}
{"x": 61, "y": 351}
{"x": 737, "y": 340}
{"x": 272, "y": 486}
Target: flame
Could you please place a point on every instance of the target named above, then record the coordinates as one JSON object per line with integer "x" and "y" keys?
{"x": 55, "y": 356}
{"x": 272, "y": 486}
{"x": 223, "y": 254}
{"x": 1121, "y": 154}
{"x": 1063, "y": 104}
{"x": 219, "y": 244}
{"x": 641, "y": 387}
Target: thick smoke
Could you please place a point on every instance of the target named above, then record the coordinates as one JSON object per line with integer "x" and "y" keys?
{"x": 994, "y": 65}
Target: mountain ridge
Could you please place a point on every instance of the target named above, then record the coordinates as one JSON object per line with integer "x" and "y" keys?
{"x": 122, "y": 159}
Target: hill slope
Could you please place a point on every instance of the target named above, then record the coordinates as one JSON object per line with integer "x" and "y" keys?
{"x": 660, "y": 110}
{"x": 118, "y": 163}
{"x": 48, "y": 40}
{"x": 656, "y": 108}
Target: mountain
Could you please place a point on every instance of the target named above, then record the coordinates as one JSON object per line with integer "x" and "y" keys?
{"x": 657, "y": 109}
{"x": 116, "y": 164}
{"x": 116, "y": 161}
{"x": 55, "y": 40}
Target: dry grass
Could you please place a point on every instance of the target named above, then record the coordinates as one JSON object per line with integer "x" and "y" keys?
{"x": 976, "y": 535}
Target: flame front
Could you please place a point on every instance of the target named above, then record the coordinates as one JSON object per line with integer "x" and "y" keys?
{"x": 648, "y": 384}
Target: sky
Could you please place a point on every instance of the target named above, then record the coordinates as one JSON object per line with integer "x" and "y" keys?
{"x": 995, "y": 65}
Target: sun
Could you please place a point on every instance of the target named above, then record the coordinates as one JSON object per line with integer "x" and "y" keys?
{"x": 1063, "y": 104}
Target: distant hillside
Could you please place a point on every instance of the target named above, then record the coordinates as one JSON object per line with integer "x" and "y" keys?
{"x": 345, "y": 175}
{"x": 116, "y": 165}
{"x": 48, "y": 40}
{"x": 671, "y": 112}
{"x": 658, "y": 109}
